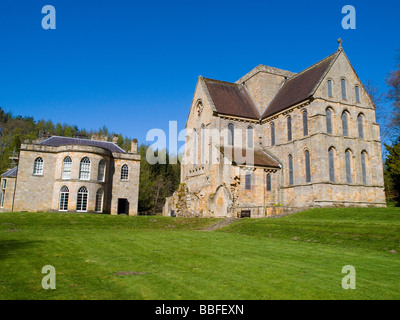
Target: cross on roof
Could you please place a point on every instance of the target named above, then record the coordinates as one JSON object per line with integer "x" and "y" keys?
{"x": 340, "y": 43}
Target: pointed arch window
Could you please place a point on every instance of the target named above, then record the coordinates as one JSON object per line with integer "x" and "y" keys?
{"x": 305, "y": 123}
{"x": 82, "y": 198}
{"x": 124, "y": 172}
{"x": 248, "y": 181}
{"x": 272, "y": 134}
{"x": 84, "y": 169}
{"x": 360, "y": 126}
{"x": 345, "y": 124}
{"x": 38, "y": 167}
{"x": 203, "y": 143}
{"x": 99, "y": 200}
{"x": 307, "y": 165}
{"x": 331, "y": 154}
{"x": 364, "y": 166}
{"x": 269, "y": 184}
{"x": 250, "y": 137}
{"x": 290, "y": 169}
{"x": 289, "y": 128}
{"x": 330, "y": 94}
{"x": 348, "y": 166}
{"x": 343, "y": 85}
{"x": 231, "y": 134}
{"x": 357, "y": 93}
{"x": 67, "y": 164}
{"x": 329, "y": 121}
{"x": 64, "y": 196}
{"x": 194, "y": 147}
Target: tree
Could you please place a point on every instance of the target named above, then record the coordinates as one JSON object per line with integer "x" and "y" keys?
{"x": 393, "y": 95}
{"x": 392, "y": 171}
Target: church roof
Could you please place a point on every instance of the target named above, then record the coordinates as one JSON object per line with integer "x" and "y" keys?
{"x": 231, "y": 99}
{"x": 57, "y": 141}
{"x": 12, "y": 173}
{"x": 300, "y": 87}
{"x": 261, "y": 158}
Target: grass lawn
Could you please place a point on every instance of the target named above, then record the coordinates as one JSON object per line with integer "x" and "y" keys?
{"x": 119, "y": 257}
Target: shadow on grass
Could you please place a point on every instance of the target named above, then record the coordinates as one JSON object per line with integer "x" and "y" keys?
{"x": 10, "y": 247}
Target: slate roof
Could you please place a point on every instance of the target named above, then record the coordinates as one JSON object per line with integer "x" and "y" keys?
{"x": 300, "y": 87}
{"x": 261, "y": 158}
{"x": 231, "y": 99}
{"x": 57, "y": 141}
{"x": 12, "y": 173}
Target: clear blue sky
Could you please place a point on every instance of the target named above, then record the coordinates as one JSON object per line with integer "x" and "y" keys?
{"x": 133, "y": 65}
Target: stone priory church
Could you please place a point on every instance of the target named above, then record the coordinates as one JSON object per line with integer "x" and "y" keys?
{"x": 276, "y": 141}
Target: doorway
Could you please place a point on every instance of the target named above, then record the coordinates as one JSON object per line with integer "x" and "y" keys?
{"x": 123, "y": 206}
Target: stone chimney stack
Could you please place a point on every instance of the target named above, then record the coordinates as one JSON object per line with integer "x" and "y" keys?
{"x": 134, "y": 146}
{"x": 115, "y": 139}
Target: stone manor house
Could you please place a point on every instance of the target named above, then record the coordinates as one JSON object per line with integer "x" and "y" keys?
{"x": 73, "y": 175}
{"x": 286, "y": 141}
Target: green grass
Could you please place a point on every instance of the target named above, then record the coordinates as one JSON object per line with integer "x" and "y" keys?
{"x": 294, "y": 257}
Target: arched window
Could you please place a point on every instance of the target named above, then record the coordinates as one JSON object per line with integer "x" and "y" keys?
{"x": 289, "y": 128}
{"x": 64, "y": 195}
{"x": 272, "y": 134}
{"x": 231, "y": 134}
{"x": 305, "y": 123}
{"x": 269, "y": 185}
{"x": 290, "y": 169}
{"x": 81, "y": 201}
{"x": 348, "y": 166}
{"x": 330, "y": 89}
{"x": 343, "y": 84}
{"x": 250, "y": 137}
{"x": 329, "y": 121}
{"x": 360, "y": 126}
{"x": 357, "y": 93}
{"x": 345, "y": 124}
{"x": 364, "y": 166}
{"x": 67, "y": 163}
{"x": 248, "y": 181}
{"x": 101, "y": 170}
{"x": 307, "y": 165}
{"x": 331, "y": 154}
{"x": 203, "y": 143}
{"x": 84, "y": 169}
{"x": 194, "y": 147}
{"x": 124, "y": 172}
{"x": 38, "y": 167}
{"x": 99, "y": 200}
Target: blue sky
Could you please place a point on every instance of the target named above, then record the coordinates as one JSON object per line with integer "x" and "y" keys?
{"x": 133, "y": 65}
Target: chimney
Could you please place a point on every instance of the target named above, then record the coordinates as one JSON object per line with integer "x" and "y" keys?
{"x": 134, "y": 146}
{"x": 115, "y": 139}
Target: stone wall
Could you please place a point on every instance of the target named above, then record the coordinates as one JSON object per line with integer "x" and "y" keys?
{"x": 42, "y": 192}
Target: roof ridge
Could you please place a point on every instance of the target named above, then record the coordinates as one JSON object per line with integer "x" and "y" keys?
{"x": 312, "y": 66}
{"x": 222, "y": 82}
{"x": 300, "y": 74}
{"x": 109, "y": 142}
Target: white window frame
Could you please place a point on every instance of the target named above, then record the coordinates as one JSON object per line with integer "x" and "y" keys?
{"x": 80, "y": 202}
{"x": 101, "y": 171}
{"x": 99, "y": 201}
{"x": 66, "y": 168}
{"x": 38, "y": 166}
{"x": 63, "y": 200}
{"x": 84, "y": 169}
